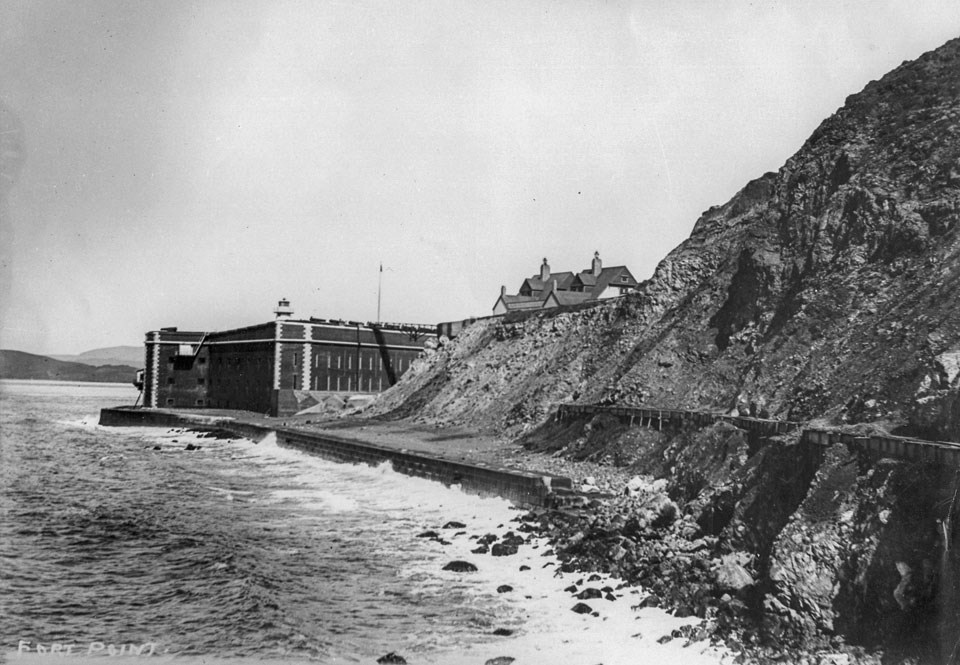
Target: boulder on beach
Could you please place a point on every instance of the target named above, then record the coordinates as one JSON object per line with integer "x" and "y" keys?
{"x": 460, "y": 567}
{"x": 499, "y": 660}
{"x": 589, "y": 593}
{"x": 453, "y": 524}
{"x": 504, "y": 588}
{"x": 511, "y": 538}
{"x": 582, "y": 608}
{"x": 392, "y": 658}
{"x": 503, "y": 549}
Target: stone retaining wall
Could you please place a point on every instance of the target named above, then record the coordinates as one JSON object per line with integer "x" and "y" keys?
{"x": 914, "y": 450}
{"x": 660, "y": 418}
{"x": 520, "y": 487}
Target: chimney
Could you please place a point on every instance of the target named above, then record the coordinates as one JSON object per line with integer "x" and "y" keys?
{"x": 503, "y": 291}
{"x": 283, "y": 310}
{"x": 544, "y": 271}
{"x": 597, "y": 264}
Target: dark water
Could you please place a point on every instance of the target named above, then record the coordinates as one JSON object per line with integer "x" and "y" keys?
{"x": 238, "y": 550}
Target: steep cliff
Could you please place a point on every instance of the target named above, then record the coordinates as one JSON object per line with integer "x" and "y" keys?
{"x": 827, "y": 289}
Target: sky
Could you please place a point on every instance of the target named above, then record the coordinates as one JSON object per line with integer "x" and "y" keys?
{"x": 189, "y": 163}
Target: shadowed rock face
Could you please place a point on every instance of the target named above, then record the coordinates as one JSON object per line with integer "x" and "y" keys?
{"x": 828, "y": 288}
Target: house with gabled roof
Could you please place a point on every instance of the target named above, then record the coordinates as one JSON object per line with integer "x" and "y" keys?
{"x": 546, "y": 289}
{"x": 602, "y": 282}
{"x": 509, "y": 303}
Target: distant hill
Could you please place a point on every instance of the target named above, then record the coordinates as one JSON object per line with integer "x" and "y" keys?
{"x": 20, "y": 365}
{"x": 111, "y": 355}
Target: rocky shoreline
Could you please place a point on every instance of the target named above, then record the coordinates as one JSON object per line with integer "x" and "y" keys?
{"x": 600, "y": 604}
{"x": 773, "y": 554}
{"x": 824, "y": 565}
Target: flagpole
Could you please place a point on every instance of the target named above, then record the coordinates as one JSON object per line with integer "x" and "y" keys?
{"x": 379, "y": 286}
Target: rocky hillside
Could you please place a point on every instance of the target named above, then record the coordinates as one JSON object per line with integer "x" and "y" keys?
{"x": 829, "y": 289}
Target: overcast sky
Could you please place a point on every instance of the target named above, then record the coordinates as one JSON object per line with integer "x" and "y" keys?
{"x": 189, "y": 163}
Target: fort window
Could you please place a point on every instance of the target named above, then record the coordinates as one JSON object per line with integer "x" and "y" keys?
{"x": 170, "y": 381}
{"x": 200, "y": 381}
{"x": 201, "y": 361}
{"x": 169, "y": 401}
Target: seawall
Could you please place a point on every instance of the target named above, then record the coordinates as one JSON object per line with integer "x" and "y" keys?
{"x": 520, "y": 487}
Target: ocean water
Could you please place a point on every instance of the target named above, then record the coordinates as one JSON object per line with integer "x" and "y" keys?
{"x": 120, "y": 543}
